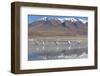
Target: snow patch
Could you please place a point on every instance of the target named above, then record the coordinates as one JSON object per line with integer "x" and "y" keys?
{"x": 64, "y": 19}
{"x": 83, "y": 21}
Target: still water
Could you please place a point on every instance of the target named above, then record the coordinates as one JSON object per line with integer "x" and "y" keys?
{"x": 50, "y": 51}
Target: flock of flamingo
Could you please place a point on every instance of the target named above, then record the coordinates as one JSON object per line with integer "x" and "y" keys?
{"x": 56, "y": 42}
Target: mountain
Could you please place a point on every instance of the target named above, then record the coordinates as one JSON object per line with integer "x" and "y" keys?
{"x": 58, "y": 27}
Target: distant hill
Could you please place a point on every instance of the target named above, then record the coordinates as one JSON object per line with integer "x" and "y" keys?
{"x": 58, "y": 27}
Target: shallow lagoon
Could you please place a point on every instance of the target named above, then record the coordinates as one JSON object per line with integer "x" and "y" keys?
{"x": 49, "y": 50}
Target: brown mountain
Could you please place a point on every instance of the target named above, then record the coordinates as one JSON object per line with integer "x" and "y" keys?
{"x": 55, "y": 27}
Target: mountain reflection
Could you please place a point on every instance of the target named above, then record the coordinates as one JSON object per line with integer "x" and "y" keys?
{"x": 61, "y": 51}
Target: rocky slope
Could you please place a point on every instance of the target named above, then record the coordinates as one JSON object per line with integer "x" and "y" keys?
{"x": 58, "y": 27}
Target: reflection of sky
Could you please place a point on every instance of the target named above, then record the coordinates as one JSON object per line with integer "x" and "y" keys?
{"x": 32, "y": 18}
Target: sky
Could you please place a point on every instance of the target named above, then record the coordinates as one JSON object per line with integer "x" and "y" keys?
{"x": 32, "y": 18}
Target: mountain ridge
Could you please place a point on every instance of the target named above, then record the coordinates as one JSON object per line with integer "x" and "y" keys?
{"x": 58, "y": 27}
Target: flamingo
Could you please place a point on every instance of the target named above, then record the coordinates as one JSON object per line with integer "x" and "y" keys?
{"x": 43, "y": 42}
{"x": 68, "y": 42}
{"x": 36, "y": 42}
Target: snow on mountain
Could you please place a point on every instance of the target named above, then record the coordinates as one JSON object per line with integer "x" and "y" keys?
{"x": 44, "y": 18}
{"x": 60, "y": 19}
{"x": 64, "y": 19}
{"x": 83, "y": 21}
{"x": 71, "y": 19}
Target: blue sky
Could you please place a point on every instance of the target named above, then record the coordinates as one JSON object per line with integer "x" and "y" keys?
{"x": 32, "y": 18}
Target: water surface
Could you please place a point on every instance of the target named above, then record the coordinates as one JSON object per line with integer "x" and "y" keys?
{"x": 51, "y": 50}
